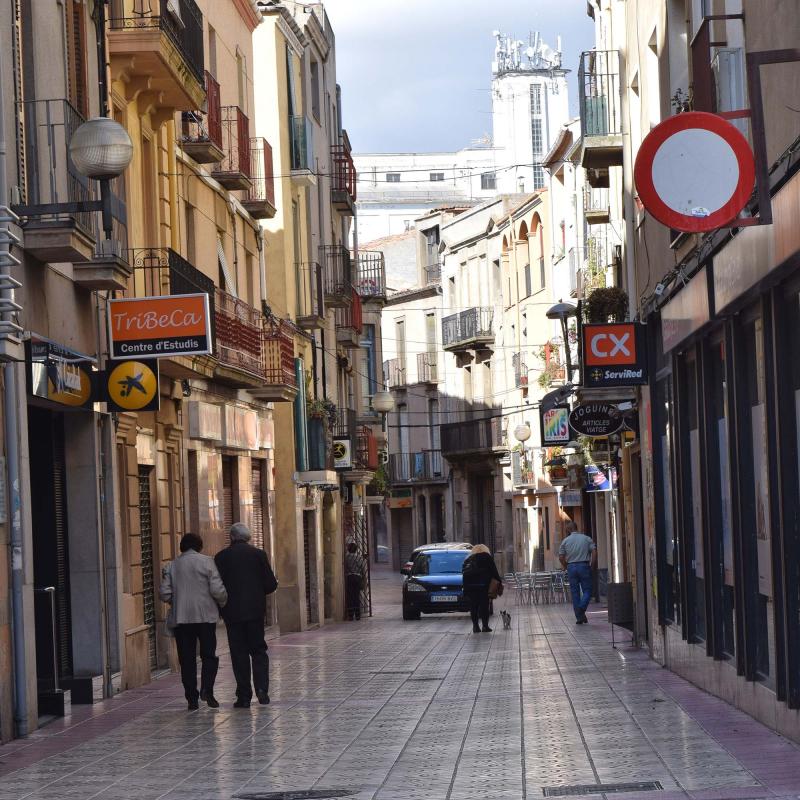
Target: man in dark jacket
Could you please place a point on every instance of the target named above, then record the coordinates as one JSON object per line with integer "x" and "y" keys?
{"x": 248, "y": 579}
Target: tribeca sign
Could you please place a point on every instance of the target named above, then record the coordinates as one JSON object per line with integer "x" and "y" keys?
{"x": 595, "y": 419}
{"x": 614, "y": 355}
{"x": 159, "y": 327}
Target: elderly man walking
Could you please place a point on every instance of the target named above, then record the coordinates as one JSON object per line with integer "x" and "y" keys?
{"x": 192, "y": 587}
{"x": 578, "y": 554}
{"x": 248, "y": 578}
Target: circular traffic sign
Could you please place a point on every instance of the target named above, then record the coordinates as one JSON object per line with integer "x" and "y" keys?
{"x": 694, "y": 172}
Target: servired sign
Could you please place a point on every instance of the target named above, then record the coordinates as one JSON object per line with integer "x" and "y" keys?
{"x": 614, "y": 355}
{"x": 159, "y": 327}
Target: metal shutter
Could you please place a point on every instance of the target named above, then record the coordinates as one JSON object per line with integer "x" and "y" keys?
{"x": 256, "y": 473}
{"x": 63, "y": 616}
{"x": 148, "y": 584}
{"x": 227, "y": 497}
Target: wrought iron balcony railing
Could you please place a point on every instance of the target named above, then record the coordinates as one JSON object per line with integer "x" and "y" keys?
{"x": 433, "y": 274}
{"x": 599, "y": 93}
{"x": 259, "y": 199}
{"x": 180, "y": 20}
{"x": 472, "y": 437}
{"x": 428, "y": 367}
{"x": 161, "y": 270}
{"x": 311, "y": 295}
{"x": 234, "y": 171}
{"x": 370, "y": 278}
{"x": 239, "y": 334}
{"x": 338, "y": 274}
{"x": 278, "y": 344}
{"x": 201, "y": 131}
{"x": 419, "y": 467}
{"x": 343, "y": 180}
{"x": 366, "y": 450}
{"x": 467, "y": 328}
{"x": 350, "y": 321}
{"x": 394, "y": 373}
{"x": 345, "y": 423}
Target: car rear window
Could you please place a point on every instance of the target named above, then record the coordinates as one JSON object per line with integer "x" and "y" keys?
{"x": 442, "y": 562}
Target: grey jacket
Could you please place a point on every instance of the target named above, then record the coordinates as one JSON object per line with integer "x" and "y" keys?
{"x": 194, "y": 589}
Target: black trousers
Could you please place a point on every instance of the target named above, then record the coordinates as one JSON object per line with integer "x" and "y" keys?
{"x": 478, "y": 604}
{"x": 186, "y": 639}
{"x": 246, "y": 643}
{"x": 352, "y": 592}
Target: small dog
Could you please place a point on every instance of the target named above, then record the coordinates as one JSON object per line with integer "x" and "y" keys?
{"x": 506, "y": 619}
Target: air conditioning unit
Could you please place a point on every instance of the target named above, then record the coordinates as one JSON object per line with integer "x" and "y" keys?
{"x": 730, "y": 93}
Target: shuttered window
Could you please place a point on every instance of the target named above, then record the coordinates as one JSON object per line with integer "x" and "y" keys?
{"x": 76, "y": 56}
{"x": 227, "y": 496}
{"x": 256, "y": 482}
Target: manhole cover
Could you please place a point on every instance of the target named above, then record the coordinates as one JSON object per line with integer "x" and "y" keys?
{"x": 601, "y": 788}
{"x": 305, "y": 794}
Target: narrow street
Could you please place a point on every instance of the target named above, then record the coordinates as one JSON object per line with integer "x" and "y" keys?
{"x": 399, "y": 711}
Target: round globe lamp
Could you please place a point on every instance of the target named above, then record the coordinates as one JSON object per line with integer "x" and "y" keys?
{"x": 383, "y": 402}
{"x": 522, "y": 432}
{"x": 101, "y": 149}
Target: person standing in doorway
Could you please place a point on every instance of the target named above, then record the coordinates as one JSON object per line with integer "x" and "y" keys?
{"x": 248, "y": 577}
{"x": 355, "y": 570}
{"x": 578, "y": 556}
{"x": 478, "y": 571}
{"x": 192, "y": 586}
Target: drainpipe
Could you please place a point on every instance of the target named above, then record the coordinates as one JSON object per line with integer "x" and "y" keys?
{"x": 10, "y": 399}
{"x": 262, "y": 265}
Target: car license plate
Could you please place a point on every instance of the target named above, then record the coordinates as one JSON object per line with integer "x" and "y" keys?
{"x": 445, "y": 598}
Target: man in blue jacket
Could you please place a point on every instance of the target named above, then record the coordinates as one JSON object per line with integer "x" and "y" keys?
{"x": 248, "y": 579}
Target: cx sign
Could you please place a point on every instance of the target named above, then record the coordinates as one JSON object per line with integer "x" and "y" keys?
{"x": 614, "y": 355}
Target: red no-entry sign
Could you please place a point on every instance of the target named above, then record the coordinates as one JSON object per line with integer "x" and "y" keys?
{"x": 694, "y": 172}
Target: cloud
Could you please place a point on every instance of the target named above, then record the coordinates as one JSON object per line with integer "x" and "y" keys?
{"x": 416, "y": 74}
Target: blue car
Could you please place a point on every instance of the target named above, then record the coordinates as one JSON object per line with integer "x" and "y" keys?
{"x": 435, "y": 584}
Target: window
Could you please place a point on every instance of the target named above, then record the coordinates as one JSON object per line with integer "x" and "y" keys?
{"x": 536, "y": 137}
{"x": 536, "y": 99}
{"x": 392, "y": 177}
{"x": 315, "y": 88}
{"x": 528, "y": 284}
{"x": 432, "y": 246}
{"x": 212, "y": 52}
{"x": 241, "y": 74}
{"x": 488, "y": 181}
{"x": 76, "y": 56}
{"x": 436, "y": 177}
{"x": 538, "y": 177}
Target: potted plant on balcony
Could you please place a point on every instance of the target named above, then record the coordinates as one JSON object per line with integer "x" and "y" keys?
{"x": 609, "y": 304}
{"x": 322, "y": 409}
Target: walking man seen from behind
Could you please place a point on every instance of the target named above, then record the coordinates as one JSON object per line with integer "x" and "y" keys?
{"x": 354, "y": 568}
{"x": 248, "y": 577}
{"x": 578, "y": 554}
{"x": 192, "y": 587}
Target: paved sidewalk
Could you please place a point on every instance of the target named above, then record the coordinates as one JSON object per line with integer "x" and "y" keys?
{"x": 423, "y": 710}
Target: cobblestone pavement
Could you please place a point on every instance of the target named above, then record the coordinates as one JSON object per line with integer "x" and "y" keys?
{"x": 398, "y": 711}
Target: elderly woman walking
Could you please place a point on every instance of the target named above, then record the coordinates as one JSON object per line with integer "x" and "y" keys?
{"x": 479, "y": 571}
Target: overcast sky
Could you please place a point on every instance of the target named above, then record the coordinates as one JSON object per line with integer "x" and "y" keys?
{"x": 415, "y": 74}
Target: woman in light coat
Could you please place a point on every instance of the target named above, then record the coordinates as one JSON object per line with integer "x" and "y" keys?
{"x": 192, "y": 586}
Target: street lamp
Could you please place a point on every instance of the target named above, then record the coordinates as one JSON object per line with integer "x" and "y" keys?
{"x": 383, "y": 402}
{"x": 522, "y": 432}
{"x": 101, "y": 149}
{"x": 563, "y": 311}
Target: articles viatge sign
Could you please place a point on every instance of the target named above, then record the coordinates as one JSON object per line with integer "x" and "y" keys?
{"x": 614, "y": 355}
{"x": 595, "y": 419}
{"x": 159, "y": 327}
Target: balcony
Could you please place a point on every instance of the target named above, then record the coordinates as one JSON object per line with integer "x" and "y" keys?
{"x": 343, "y": 181}
{"x": 349, "y": 322}
{"x": 596, "y": 207}
{"x": 302, "y": 151}
{"x": 433, "y": 274}
{"x": 51, "y": 178}
{"x": 468, "y": 330}
{"x": 601, "y": 114}
{"x": 366, "y": 450}
{"x": 473, "y": 437}
{"x": 280, "y": 377}
{"x": 337, "y": 275}
{"x": 238, "y": 343}
{"x": 370, "y": 277}
{"x": 259, "y": 199}
{"x": 320, "y": 456}
{"x": 311, "y": 298}
{"x": 159, "y": 49}
{"x": 520, "y": 371}
{"x": 394, "y": 373}
{"x": 426, "y": 466}
{"x": 428, "y": 368}
{"x": 201, "y": 131}
{"x": 233, "y": 170}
